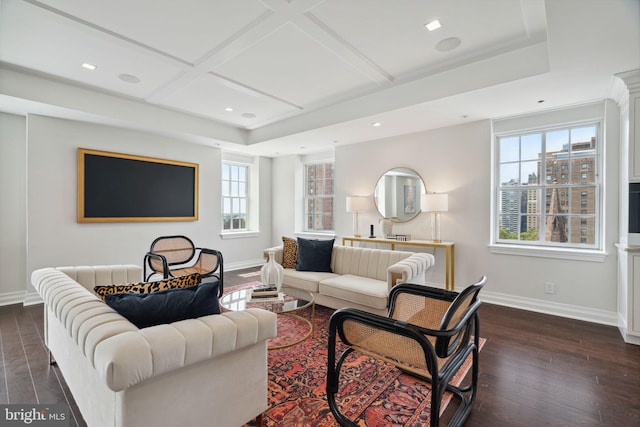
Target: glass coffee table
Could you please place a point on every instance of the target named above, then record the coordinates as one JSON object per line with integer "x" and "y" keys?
{"x": 291, "y": 303}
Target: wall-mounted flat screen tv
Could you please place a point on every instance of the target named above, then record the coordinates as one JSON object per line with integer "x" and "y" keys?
{"x": 114, "y": 187}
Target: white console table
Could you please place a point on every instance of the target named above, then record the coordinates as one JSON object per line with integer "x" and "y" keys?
{"x": 447, "y": 246}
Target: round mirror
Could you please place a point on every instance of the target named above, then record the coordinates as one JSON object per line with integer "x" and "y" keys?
{"x": 397, "y": 194}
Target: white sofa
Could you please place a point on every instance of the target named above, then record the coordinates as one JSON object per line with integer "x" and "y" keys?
{"x": 360, "y": 277}
{"x": 209, "y": 371}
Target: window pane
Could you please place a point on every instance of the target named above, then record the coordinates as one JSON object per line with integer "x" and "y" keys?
{"x": 556, "y": 229}
{"x": 557, "y": 200}
{"x": 531, "y": 147}
{"x": 511, "y": 202}
{"x": 586, "y": 134}
{"x": 583, "y": 230}
{"x": 529, "y": 172}
{"x": 509, "y": 149}
{"x": 509, "y": 226}
{"x": 583, "y": 204}
{"x": 529, "y": 226}
{"x": 509, "y": 174}
{"x": 557, "y": 141}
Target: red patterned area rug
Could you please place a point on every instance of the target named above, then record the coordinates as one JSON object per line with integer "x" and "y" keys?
{"x": 375, "y": 394}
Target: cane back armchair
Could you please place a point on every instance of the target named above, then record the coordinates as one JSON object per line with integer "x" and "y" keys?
{"x": 173, "y": 256}
{"x": 428, "y": 333}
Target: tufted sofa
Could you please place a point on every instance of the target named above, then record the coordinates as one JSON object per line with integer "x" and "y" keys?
{"x": 359, "y": 277}
{"x": 207, "y": 371}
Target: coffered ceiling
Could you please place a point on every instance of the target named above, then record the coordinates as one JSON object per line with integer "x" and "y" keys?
{"x": 273, "y": 76}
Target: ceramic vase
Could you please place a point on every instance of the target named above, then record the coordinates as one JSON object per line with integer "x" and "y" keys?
{"x": 272, "y": 273}
{"x": 386, "y": 227}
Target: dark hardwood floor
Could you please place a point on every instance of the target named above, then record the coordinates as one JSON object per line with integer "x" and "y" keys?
{"x": 535, "y": 369}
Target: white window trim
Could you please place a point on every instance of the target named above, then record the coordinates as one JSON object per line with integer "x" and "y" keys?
{"x": 325, "y": 157}
{"x": 227, "y": 235}
{"x": 592, "y": 114}
{"x": 592, "y": 255}
{"x": 253, "y": 208}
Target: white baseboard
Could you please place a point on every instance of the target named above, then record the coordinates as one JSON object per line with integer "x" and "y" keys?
{"x": 549, "y": 307}
{"x": 628, "y": 338}
{"x": 244, "y": 264}
{"x": 11, "y": 298}
{"x": 32, "y": 298}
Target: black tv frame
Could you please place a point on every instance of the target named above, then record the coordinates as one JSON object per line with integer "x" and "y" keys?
{"x": 116, "y": 187}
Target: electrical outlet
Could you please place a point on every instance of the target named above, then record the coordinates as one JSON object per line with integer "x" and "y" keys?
{"x": 549, "y": 288}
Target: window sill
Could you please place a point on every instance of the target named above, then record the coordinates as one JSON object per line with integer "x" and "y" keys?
{"x": 592, "y": 255}
{"x": 239, "y": 235}
{"x": 315, "y": 235}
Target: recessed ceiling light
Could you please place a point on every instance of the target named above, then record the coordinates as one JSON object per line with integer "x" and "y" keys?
{"x": 376, "y": 124}
{"x": 433, "y": 25}
{"x": 229, "y": 109}
{"x": 129, "y": 78}
{"x": 540, "y": 101}
{"x": 448, "y": 44}
{"x": 89, "y": 66}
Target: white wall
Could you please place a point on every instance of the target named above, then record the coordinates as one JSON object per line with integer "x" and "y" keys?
{"x": 13, "y": 154}
{"x": 457, "y": 160}
{"x": 54, "y": 237}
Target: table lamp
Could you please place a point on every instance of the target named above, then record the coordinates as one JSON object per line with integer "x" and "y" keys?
{"x": 436, "y": 204}
{"x": 355, "y": 205}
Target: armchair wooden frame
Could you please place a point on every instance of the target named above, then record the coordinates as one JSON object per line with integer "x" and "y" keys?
{"x": 429, "y": 333}
{"x": 174, "y": 256}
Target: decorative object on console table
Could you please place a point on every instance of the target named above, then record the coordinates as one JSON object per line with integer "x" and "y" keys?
{"x": 371, "y": 234}
{"x": 436, "y": 204}
{"x": 272, "y": 273}
{"x": 386, "y": 226}
{"x": 355, "y": 205}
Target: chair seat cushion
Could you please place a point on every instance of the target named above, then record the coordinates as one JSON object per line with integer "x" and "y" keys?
{"x": 357, "y": 289}
{"x": 167, "y": 306}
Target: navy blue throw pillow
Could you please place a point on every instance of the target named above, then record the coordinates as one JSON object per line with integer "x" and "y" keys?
{"x": 314, "y": 255}
{"x": 167, "y": 306}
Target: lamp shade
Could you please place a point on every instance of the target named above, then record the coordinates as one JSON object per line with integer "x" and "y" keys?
{"x": 432, "y": 202}
{"x": 357, "y": 203}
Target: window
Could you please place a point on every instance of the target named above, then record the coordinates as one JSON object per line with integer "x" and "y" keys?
{"x": 548, "y": 186}
{"x": 318, "y": 197}
{"x": 235, "y": 196}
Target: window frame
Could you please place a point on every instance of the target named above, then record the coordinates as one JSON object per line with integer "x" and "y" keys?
{"x": 571, "y": 250}
{"x": 246, "y": 197}
{"x": 305, "y": 197}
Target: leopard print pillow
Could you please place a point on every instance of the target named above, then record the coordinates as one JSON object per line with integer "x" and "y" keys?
{"x": 148, "y": 287}
{"x": 290, "y": 252}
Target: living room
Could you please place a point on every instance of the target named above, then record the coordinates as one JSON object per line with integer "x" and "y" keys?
{"x": 40, "y": 228}
{"x": 44, "y": 120}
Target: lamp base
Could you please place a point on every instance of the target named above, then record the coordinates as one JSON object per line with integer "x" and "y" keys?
{"x": 435, "y": 227}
